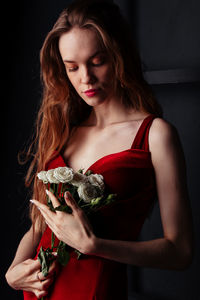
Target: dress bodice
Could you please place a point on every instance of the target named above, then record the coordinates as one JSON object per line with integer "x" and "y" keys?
{"x": 130, "y": 175}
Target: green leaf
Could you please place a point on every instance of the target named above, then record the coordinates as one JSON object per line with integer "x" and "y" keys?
{"x": 78, "y": 253}
{"x": 96, "y": 201}
{"x": 88, "y": 173}
{"x": 45, "y": 258}
{"x": 110, "y": 198}
{"x": 63, "y": 255}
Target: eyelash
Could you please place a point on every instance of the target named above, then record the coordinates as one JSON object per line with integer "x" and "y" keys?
{"x": 72, "y": 69}
{"x": 95, "y": 65}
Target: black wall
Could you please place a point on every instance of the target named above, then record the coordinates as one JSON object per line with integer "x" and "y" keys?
{"x": 168, "y": 38}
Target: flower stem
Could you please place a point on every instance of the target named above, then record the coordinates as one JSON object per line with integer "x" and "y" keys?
{"x": 52, "y": 240}
{"x": 61, "y": 190}
{"x": 86, "y": 205}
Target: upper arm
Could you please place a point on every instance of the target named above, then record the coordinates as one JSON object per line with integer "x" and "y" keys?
{"x": 170, "y": 171}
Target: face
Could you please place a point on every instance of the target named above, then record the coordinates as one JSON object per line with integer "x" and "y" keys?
{"x": 87, "y": 64}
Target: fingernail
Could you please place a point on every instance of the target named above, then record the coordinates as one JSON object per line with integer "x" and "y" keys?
{"x": 47, "y": 192}
{"x": 67, "y": 194}
{"x": 32, "y": 201}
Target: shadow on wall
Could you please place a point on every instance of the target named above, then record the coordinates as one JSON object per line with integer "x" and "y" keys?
{"x": 181, "y": 107}
{"x": 168, "y": 40}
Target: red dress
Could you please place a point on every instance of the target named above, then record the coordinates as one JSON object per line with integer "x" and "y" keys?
{"x": 130, "y": 175}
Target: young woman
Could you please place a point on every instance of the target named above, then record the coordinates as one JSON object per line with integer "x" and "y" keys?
{"x": 98, "y": 113}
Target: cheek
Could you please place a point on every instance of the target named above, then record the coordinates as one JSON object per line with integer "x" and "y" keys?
{"x": 107, "y": 77}
{"x": 73, "y": 80}
{"x": 107, "y": 73}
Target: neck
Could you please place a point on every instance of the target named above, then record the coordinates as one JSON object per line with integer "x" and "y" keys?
{"x": 109, "y": 112}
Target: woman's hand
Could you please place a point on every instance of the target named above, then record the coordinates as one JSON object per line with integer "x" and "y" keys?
{"x": 27, "y": 276}
{"x": 73, "y": 229}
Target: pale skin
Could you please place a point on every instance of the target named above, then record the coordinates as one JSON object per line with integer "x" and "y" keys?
{"x": 24, "y": 272}
{"x": 110, "y": 121}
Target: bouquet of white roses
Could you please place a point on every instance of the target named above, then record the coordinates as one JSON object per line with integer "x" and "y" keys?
{"x": 88, "y": 190}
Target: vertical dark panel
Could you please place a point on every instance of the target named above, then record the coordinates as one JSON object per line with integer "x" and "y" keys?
{"x": 168, "y": 38}
{"x": 182, "y": 107}
{"x": 167, "y": 33}
{"x": 25, "y": 28}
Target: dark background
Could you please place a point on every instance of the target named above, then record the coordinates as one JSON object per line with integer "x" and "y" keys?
{"x": 167, "y": 33}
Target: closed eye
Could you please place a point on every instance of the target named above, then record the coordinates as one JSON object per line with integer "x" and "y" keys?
{"x": 93, "y": 64}
{"x": 98, "y": 62}
{"x": 72, "y": 69}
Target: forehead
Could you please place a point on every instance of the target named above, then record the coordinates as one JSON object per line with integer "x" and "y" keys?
{"x": 79, "y": 44}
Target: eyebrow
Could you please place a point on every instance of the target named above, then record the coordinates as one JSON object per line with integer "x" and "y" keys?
{"x": 95, "y": 54}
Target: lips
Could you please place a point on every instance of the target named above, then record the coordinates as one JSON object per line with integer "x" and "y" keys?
{"x": 91, "y": 92}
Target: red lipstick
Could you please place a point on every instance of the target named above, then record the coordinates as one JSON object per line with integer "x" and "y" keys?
{"x": 91, "y": 92}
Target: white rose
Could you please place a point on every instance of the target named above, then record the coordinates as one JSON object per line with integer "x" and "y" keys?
{"x": 78, "y": 179}
{"x": 64, "y": 174}
{"x": 43, "y": 176}
{"x": 50, "y": 176}
{"x": 97, "y": 179}
{"x": 87, "y": 192}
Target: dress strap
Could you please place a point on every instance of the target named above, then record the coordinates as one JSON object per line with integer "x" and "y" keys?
{"x": 141, "y": 139}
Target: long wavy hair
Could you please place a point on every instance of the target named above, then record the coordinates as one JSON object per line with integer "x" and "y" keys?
{"x": 61, "y": 107}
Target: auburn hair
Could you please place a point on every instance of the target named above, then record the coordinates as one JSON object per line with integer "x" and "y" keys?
{"x": 61, "y": 107}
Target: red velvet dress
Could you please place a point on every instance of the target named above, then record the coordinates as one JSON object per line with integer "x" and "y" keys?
{"x": 130, "y": 175}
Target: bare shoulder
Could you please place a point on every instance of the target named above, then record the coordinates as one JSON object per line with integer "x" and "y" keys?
{"x": 166, "y": 151}
{"x": 165, "y": 145}
{"x": 162, "y": 133}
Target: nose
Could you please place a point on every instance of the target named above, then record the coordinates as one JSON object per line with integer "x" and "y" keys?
{"x": 86, "y": 75}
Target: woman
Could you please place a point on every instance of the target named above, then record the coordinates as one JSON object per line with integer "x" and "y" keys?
{"x": 98, "y": 113}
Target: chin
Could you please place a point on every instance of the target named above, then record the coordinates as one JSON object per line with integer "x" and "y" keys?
{"x": 94, "y": 101}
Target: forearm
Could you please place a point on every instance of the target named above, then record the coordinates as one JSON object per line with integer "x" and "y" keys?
{"x": 27, "y": 247}
{"x": 25, "y": 272}
{"x": 159, "y": 253}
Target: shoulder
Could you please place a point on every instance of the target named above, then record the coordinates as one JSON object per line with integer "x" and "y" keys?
{"x": 164, "y": 139}
{"x": 161, "y": 131}
{"x": 161, "y": 127}
{"x": 166, "y": 152}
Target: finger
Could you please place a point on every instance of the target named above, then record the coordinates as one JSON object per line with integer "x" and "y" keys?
{"x": 39, "y": 294}
{"x": 40, "y": 205}
{"x": 53, "y": 268}
{"x": 70, "y": 201}
{"x": 54, "y": 200}
{"x": 33, "y": 264}
{"x": 40, "y": 277}
{"x": 45, "y": 211}
{"x": 51, "y": 272}
{"x": 46, "y": 284}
